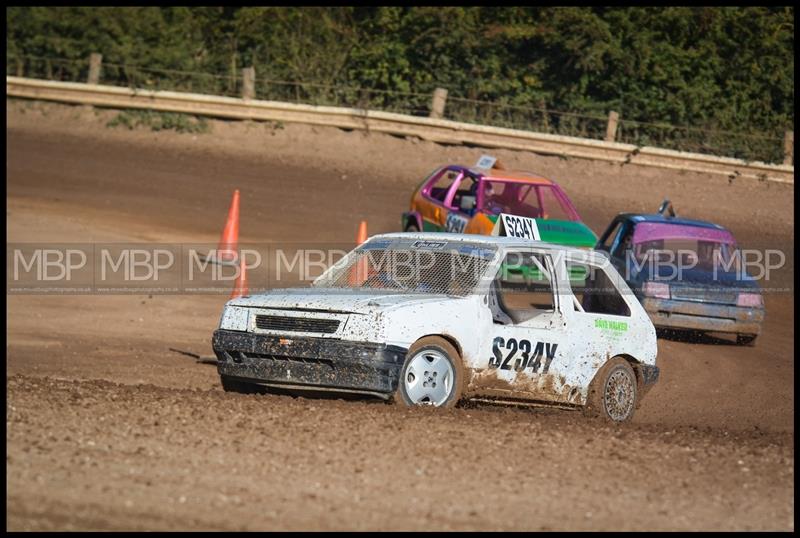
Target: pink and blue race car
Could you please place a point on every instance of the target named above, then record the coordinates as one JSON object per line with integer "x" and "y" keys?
{"x": 687, "y": 273}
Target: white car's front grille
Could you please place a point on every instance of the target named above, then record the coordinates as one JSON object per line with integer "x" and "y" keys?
{"x": 297, "y": 324}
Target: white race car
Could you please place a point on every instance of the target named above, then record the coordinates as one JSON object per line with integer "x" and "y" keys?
{"x": 434, "y": 318}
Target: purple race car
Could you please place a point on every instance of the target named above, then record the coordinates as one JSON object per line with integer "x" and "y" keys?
{"x": 688, "y": 274}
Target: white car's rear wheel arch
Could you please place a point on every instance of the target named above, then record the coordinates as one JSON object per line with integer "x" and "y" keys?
{"x": 432, "y": 374}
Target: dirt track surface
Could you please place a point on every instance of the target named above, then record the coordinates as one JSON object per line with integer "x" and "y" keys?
{"x": 109, "y": 429}
{"x": 146, "y": 457}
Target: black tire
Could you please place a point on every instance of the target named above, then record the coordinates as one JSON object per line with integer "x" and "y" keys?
{"x": 411, "y": 227}
{"x": 602, "y": 402}
{"x": 746, "y": 339}
{"x": 444, "y": 349}
{"x": 230, "y": 384}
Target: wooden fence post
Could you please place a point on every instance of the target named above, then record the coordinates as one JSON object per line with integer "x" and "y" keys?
{"x": 611, "y": 129}
{"x": 249, "y": 83}
{"x": 95, "y": 61}
{"x": 363, "y": 99}
{"x": 438, "y": 102}
{"x": 788, "y": 147}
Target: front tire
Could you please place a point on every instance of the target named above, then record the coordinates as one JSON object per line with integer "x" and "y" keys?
{"x": 412, "y": 228}
{"x": 432, "y": 374}
{"x": 613, "y": 392}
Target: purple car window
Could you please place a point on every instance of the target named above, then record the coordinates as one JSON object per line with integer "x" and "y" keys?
{"x": 466, "y": 194}
{"x": 693, "y": 246}
{"x": 525, "y": 199}
{"x": 552, "y": 205}
{"x": 441, "y": 185}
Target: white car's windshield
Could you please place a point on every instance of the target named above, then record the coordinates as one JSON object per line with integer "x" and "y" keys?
{"x": 411, "y": 266}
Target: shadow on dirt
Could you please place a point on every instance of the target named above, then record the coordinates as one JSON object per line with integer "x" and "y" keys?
{"x": 696, "y": 337}
{"x": 309, "y": 394}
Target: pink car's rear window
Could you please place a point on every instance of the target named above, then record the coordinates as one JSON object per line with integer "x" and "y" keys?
{"x": 652, "y": 231}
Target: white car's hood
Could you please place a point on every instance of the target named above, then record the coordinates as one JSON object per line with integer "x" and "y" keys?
{"x": 333, "y": 300}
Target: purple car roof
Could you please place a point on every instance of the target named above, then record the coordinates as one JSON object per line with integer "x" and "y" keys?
{"x": 651, "y": 231}
{"x": 497, "y": 174}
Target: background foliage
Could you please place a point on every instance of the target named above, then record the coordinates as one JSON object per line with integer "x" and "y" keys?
{"x": 728, "y": 69}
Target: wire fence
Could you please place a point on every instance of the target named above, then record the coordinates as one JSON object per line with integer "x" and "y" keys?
{"x": 537, "y": 119}
{"x": 413, "y": 104}
{"x": 48, "y": 68}
{"x": 171, "y": 80}
{"x": 750, "y": 147}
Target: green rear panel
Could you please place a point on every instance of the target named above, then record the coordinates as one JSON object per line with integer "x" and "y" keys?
{"x": 428, "y": 226}
{"x": 563, "y": 232}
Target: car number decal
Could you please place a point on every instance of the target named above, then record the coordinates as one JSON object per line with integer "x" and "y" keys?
{"x": 486, "y": 161}
{"x": 455, "y": 223}
{"x": 526, "y": 359}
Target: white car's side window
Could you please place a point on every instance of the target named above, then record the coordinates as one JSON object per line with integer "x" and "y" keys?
{"x": 523, "y": 287}
{"x": 594, "y": 290}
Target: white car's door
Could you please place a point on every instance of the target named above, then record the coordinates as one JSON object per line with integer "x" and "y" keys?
{"x": 522, "y": 353}
{"x": 599, "y": 318}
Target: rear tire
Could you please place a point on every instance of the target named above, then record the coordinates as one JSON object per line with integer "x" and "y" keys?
{"x": 230, "y": 384}
{"x": 412, "y": 228}
{"x": 613, "y": 392}
{"x": 432, "y": 374}
{"x": 746, "y": 339}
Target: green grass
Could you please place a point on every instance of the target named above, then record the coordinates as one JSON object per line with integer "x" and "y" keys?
{"x": 160, "y": 121}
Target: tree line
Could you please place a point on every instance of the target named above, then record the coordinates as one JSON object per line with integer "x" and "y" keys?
{"x": 716, "y": 68}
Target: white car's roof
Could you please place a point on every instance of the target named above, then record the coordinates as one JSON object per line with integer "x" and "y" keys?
{"x": 505, "y": 242}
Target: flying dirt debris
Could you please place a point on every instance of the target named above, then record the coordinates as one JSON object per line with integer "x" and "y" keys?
{"x": 200, "y": 360}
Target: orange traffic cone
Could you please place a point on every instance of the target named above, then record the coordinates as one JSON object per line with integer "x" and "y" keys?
{"x": 361, "y": 236}
{"x": 358, "y": 273}
{"x": 240, "y": 287}
{"x": 228, "y": 243}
